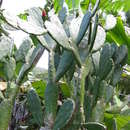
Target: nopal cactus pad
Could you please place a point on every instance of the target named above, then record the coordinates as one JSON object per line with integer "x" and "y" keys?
{"x": 64, "y": 115}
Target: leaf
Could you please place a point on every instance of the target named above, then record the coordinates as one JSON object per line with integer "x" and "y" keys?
{"x": 73, "y": 4}
{"x": 119, "y": 36}
{"x": 66, "y": 90}
{"x": 108, "y": 6}
{"x": 122, "y": 121}
{"x": 109, "y": 121}
{"x": 64, "y": 114}
{"x": 23, "y": 16}
{"x": 126, "y": 127}
{"x": 35, "y": 107}
{"x": 119, "y": 30}
{"x": 40, "y": 87}
{"x": 58, "y": 4}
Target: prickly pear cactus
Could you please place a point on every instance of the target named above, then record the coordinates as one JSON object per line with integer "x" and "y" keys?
{"x": 64, "y": 115}
{"x": 5, "y": 113}
{"x": 35, "y": 107}
{"x": 51, "y": 97}
{"x": 106, "y": 63}
{"x": 9, "y": 69}
{"x": 94, "y": 125}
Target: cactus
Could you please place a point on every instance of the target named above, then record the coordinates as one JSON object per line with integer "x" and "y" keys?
{"x": 87, "y": 77}
{"x": 5, "y": 113}
{"x": 64, "y": 115}
{"x": 35, "y": 107}
{"x": 84, "y": 26}
{"x": 56, "y": 29}
{"x": 93, "y": 125}
{"x": 51, "y": 93}
{"x": 121, "y": 55}
{"x": 51, "y": 97}
{"x": 105, "y": 64}
{"x": 21, "y": 53}
{"x": 9, "y": 69}
{"x": 92, "y": 38}
{"x": 65, "y": 62}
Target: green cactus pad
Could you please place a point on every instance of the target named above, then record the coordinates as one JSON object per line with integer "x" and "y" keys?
{"x": 51, "y": 97}
{"x": 106, "y": 63}
{"x": 65, "y": 63}
{"x": 94, "y": 125}
{"x": 83, "y": 27}
{"x": 5, "y": 114}
{"x": 64, "y": 115}
{"x": 34, "y": 105}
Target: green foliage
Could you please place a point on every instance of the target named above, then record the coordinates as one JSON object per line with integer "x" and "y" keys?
{"x": 65, "y": 89}
{"x": 58, "y": 5}
{"x": 119, "y": 36}
{"x": 122, "y": 122}
{"x": 40, "y": 87}
{"x": 73, "y": 4}
{"x": 109, "y": 6}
